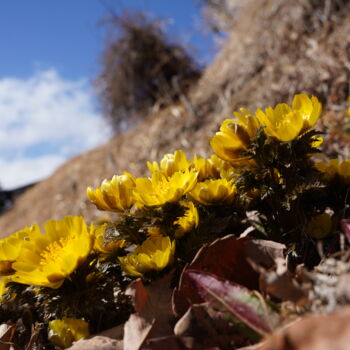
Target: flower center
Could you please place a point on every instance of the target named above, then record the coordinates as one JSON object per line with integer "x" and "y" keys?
{"x": 53, "y": 251}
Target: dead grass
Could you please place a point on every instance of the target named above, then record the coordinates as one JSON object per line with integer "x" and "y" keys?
{"x": 141, "y": 67}
{"x": 277, "y": 48}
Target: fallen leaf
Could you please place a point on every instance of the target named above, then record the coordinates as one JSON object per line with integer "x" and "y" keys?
{"x": 169, "y": 343}
{"x": 114, "y": 333}
{"x": 280, "y": 283}
{"x": 345, "y": 225}
{"x": 316, "y": 332}
{"x": 6, "y": 335}
{"x": 244, "y": 304}
{"x": 230, "y": 258}
{"x": 97, "y": 343}
{"x": 153, "y": 317}
{"x": 138, "y": 292}
{"x": 263, "y": 252}
{"x": 136, "y": 331}
{"x": 201, "y": 327}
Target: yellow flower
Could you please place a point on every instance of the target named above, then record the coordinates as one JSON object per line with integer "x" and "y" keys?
{"x": 225, "y": 169}
{"x": 205, "y": 168}
{"x": 160, "y": 189}
{"x": 47, "y": 259}
{"x": 320, "y": 226}
{"x": 115, "y": 194}
{"x": 189, "y": 220}
{"x": 170, "y": 164}
{"x": 335, "y": 168}
{"x": 154, "y": 231}
{"x": 101, "y": 246}
{"x": 286, "y": 123}
{"x": 235, "y": 136}
{"x": 211, "y": 192}
{"x": 63, "y": 333}
{"x": 155, "y": 253}
{"x": 10, "y": 249}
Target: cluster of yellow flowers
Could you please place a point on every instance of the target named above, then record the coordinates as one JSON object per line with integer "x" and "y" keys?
{"x": 201, "y": 181}
{"x": 47, "y": 259}
{"x": 284, "y": 122}
{"x": 170, "y": 180}
{"x": 175, "y": 179}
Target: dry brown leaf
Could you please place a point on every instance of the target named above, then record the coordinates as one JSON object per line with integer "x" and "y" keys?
{"x": 110, "y": 339}
{"x": 170, "y": 342}
{"x": 263, "y": 252}
{"x": 281, "y": 283}
{"x": 97, "y": 343}
{"x": 114, "y": 333}
{"x": 153, "y": 317}
{"x": 136, "y": 331}
{"x": 202, "y": 327}
{"x": 316, "y": 332}
{"x": 6, "y": 334}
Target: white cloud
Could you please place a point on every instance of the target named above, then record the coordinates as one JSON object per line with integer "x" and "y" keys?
{"x": 44, "y": 120}
{"x": 23, "y": 171}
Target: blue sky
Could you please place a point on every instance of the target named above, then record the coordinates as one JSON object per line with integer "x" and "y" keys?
{"x": 50, "y": 54}
{"x": 40, "y": 34}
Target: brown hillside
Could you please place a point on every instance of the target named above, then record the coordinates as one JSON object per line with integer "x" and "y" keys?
{"x": 277, "y": 48}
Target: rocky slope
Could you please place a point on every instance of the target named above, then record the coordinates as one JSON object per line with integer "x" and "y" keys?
{"x": 277, "y": 48}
